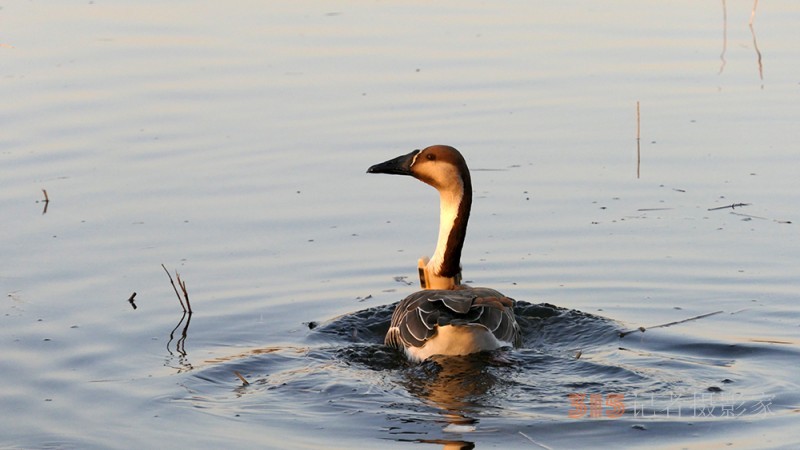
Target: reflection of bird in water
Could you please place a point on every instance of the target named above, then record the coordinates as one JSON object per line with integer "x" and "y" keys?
{"x": 450, "y": 445}
{"x": 447, "y": 318}
{"x": 458, "y": 388}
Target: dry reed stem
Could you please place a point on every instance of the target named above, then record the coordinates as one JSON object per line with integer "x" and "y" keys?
{"x": 186, "y": 307}
{"x": 638, "y": 142}
{"x": 732, "y": 206}
{"x": 46, "y": 201}
{"x": 665, "y": 325}
{"x": 245, "y": 382}
{"x": 182, "y": 284}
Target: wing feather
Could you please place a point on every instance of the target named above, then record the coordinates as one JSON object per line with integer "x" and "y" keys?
{"x": 417, "y": 317}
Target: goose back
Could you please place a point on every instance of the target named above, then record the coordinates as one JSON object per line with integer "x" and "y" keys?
{"x": 418, "y": 317}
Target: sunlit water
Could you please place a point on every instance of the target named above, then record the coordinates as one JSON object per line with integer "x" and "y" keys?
{"x": 229, "y": 142}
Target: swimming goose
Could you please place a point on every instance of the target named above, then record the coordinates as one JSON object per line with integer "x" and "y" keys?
{"x": 447, "y": 317}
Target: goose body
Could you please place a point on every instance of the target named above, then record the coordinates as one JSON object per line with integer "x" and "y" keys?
{"x": 447, "y": 317}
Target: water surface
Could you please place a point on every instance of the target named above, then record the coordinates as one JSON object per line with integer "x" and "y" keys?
{"x": 230, "y": 143}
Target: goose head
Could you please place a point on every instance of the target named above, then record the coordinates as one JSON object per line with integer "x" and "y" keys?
{"x": 444, "y": 168}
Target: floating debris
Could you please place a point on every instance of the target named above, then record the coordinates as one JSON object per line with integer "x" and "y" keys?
{"x": 732, "y": 206}
{"x": 244, "y": 382}
{"x": 130, "y": 300}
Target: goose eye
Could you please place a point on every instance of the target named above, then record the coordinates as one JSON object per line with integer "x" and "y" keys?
{"x": 431, "y": 157}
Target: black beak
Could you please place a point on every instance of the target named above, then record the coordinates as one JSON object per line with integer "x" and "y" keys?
{"x": 397, "y": 166}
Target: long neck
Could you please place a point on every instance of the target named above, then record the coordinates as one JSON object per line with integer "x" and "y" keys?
{"x": 454, "y": 212}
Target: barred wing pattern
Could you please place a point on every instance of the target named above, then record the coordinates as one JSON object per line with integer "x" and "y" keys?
{"x": 416, "y": 318}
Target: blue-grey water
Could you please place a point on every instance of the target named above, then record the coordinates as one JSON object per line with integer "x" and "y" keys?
{"x": 229, "y": 141}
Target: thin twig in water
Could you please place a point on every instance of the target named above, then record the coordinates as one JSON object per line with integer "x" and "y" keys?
{"x": 665, "y": 325}
{"x": 531, "y": 439}
{"x": 245, "y": 382}
{"x": 758, "y": 54}
{"x": 755, "y": 44}
{"x": 185, "y": 294}
{"x": 180, "y": 345}
{"x": 724, "y": 36}
{"x": 46, "y": 201}
{"x": 733, "y": 206}
{"x": 701, "y": 316}
{"x": 187, "y": 307}
{"x": 753, "y": 12}
{"x": 638, "y": 141}
{"x": 174, "y": 288}
{"x": 130, "y": 300}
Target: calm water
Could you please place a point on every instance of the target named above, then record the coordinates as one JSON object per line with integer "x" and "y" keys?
{"x": 230, "y": 143}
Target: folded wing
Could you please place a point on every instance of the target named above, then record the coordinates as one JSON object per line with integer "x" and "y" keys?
{"x": 417, "y": 317}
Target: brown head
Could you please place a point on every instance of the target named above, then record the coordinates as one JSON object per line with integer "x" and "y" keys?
{"x": 444, "y": 168}
{"x": 440, "y": 166}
